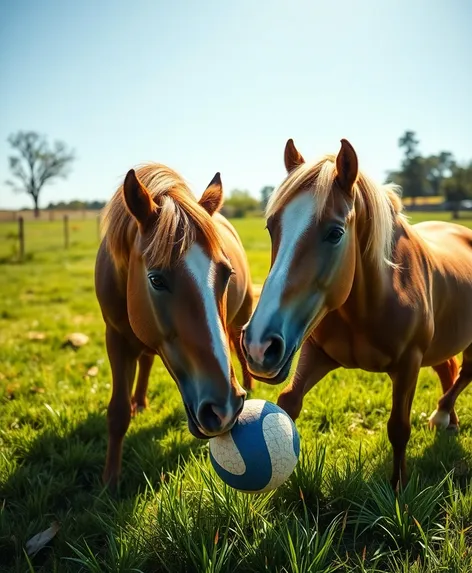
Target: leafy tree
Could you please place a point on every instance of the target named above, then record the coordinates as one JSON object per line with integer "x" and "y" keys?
{"x": 36, "y": 163}
{"x": 412, "y": 175}
{"x": 409, "y": 143}
{"x": 240, "y": 202}
{"x": 458, "y": 187}
{"x": 437, "y": 168}
{"x": 266, "y": 192}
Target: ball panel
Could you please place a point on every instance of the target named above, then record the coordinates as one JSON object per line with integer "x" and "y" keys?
{"x": 278, "y": 433}
{"x": 226, "y": 454}
{"x": 252, "y": 411}
{"x": 271, "y": 407}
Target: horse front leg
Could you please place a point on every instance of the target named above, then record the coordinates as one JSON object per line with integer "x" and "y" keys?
{"x": 399, "y": 424}
{"x": 313, "y": 365}
{"x": 139, "y": 401}
{"x": 123, "y": 359}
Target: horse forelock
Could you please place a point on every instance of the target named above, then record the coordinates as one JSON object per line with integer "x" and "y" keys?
{"x": 379, "y": 205}
{"x": 179, "y": 221}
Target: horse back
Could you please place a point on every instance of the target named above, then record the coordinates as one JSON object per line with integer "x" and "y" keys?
{"x": 449, "y": 246}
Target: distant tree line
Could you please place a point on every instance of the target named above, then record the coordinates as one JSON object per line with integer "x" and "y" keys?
{"x": 77, "y": 205}
{"x": 433, "y": 175}
{"x": 241, "y": 203}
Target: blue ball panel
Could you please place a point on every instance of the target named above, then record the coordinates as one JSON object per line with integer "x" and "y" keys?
{"x": 256, "y": 457}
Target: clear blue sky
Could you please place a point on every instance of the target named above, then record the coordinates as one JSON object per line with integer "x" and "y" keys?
{"x": 209, "y": 86}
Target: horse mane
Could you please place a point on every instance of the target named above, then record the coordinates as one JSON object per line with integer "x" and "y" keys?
{"x": 180, "y": 218}
{"x": 380, "y": 203}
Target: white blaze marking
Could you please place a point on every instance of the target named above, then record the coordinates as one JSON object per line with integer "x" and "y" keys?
{"x": 202, "y": 270}
{"x": 296, "y": 219}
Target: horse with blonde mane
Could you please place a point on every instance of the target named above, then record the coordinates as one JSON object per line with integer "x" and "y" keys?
{"x": 354, "y": 285}
{"x": 172, "y": 279}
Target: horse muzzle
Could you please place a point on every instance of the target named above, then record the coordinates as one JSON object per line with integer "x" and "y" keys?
{"x": 211, "y": 419}
{"x": 268, "y": 358}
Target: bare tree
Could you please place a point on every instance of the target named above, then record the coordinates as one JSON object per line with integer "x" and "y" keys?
{"x": 36, "y": 163}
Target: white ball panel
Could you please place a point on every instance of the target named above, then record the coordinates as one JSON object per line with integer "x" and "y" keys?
{"x": 252, "y": 411}
{"x": 278, "y": 435}
{"x": 227, "y": 455}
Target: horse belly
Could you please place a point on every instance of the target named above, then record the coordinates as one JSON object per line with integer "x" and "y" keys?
{"x": 452, "y": 335}
{"x": 356, "y": 352}
{"x": 450, "y": 247}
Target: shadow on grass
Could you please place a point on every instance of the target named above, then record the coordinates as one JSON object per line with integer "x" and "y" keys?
{"x": 445, "y": 454}
{"x": 58, "y": 478}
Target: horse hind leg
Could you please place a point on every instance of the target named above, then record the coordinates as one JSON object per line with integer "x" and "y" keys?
{"x": 443, "y": 414}
{"x": 447, "y": 372}
{"x": 139, "y": 401}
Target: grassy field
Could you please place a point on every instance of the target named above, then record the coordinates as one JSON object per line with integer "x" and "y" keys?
{"x": 172, "y": 513}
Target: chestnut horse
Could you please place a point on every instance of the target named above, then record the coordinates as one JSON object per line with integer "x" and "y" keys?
{"x": 172, "y": 279}
{"x": 353, "y": 284}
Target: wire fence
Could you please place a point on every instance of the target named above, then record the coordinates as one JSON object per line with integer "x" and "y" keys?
{"x": 23, "y": 239}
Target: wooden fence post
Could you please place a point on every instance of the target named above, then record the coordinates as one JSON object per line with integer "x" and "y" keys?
{"x": 21, "y": 237}
{"x": 66, "y": 231}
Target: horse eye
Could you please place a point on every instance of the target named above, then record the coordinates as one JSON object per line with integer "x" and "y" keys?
{"x": 228, "y": 272}
{"x": 335, "y": 235}
{"x": 157, "y": 282}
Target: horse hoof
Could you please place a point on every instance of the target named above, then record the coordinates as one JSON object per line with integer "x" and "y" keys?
{"x": 439, "y": 419}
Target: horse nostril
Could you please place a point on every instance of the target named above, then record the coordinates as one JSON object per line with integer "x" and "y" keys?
{"x": 215, "y": 418}
{"x": 208, "y": 417}
{"x": 274, "y": 351}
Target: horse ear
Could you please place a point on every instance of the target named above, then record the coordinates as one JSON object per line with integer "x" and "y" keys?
{"x": 346, "y": 166}
{"x": 212, "y": 197}
{"x": 137, "y": 198}
{"x": 292, "y": 156}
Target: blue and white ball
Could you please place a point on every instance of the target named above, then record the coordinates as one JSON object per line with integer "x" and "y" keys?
{"x": 261, "y": 450}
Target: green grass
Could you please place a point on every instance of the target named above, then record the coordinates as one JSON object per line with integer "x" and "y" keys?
{"x": 172, "y": 513}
